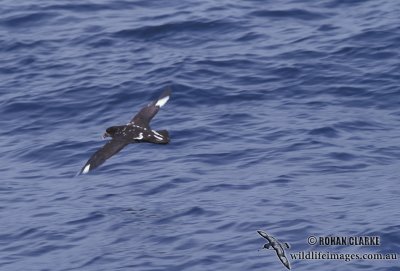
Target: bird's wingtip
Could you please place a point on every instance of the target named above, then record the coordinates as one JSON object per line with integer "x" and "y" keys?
{"x": 163, "y": 99}
{"x": 262, "y": 233}
{"x": 84, "y": 170}
{"x": 161, "y": 102}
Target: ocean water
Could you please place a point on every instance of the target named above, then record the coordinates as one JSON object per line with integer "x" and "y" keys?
{"x": 284, "y": 117}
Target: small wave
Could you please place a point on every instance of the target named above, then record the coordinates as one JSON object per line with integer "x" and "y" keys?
{"x": 92, "y": 217}
{"x": 28, "y": 20}
{"x": 186, "y": 214}
{"x": 167, "y": 29}
{"x": 299, "y": 14}
{"x": 358, "y": 125}
{"x": 342, "y": 156}
{"x": 325, "y": 131}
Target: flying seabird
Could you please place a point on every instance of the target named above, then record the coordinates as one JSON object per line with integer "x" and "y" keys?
{"x": 136, "y": 131}
{"x": 277, "y": 246}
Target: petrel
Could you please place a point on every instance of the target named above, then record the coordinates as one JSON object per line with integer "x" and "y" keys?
{"x": 277, "y": 246}
{"x": 136, "y": 131}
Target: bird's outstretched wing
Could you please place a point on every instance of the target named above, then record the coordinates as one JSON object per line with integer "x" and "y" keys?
{"x": 145, "y": 115}
{"x": 264, "y": 234}
{"x": 285, "y": 261}
{"x": 100, "y": 156}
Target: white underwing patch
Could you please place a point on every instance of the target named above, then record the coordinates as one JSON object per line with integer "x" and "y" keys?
{"x": 86, "y": 169}
{"x": 162, "y": 101}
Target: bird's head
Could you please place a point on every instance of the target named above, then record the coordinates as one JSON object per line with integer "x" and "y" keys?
{"x": 266, "y": 246}
{"x": 110, "y": 132}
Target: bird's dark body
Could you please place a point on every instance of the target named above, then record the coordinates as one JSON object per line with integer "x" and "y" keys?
{"x": 136, "y": 131}
{"x": 136, "y": 134}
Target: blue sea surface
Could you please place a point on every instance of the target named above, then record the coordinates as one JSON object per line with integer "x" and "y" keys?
{"x": 284, "y": 117}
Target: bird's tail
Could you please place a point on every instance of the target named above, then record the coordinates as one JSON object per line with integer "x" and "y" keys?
{"x": 165, "y": 137}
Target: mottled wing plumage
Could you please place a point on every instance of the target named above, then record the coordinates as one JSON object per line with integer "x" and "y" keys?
{"x": 99, "y": 157}
{"x": 146, "y": 114}
{"x": 265, "y": 235}
{"x": 285, "y": 261}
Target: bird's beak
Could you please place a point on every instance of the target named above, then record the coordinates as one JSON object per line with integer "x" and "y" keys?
{"x": 106, "y": 135}
{"x": 263, "y": 247}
